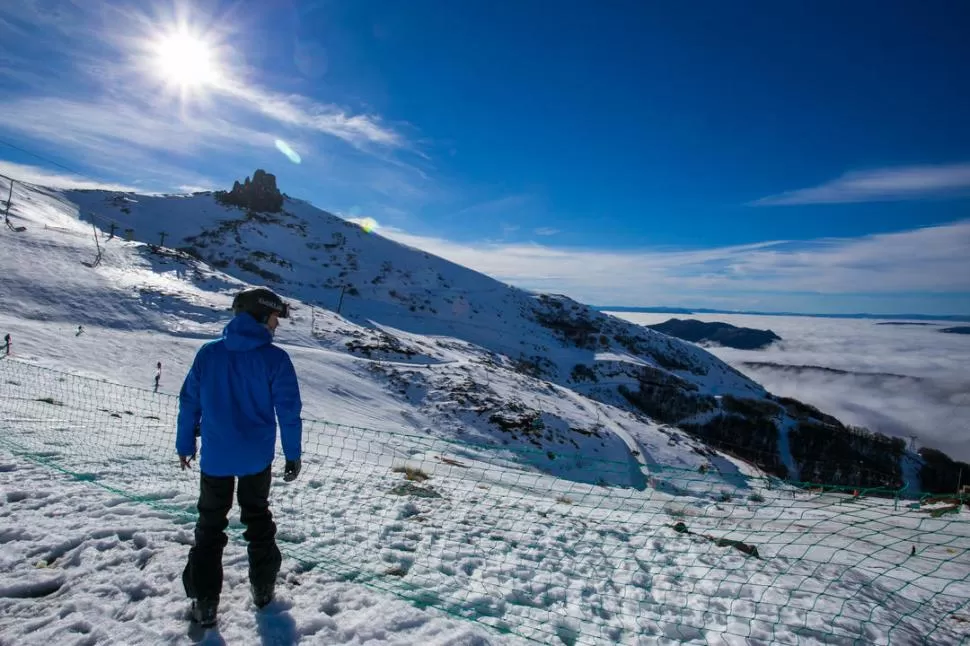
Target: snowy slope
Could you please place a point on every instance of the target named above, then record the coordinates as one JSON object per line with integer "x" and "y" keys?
{"x": 320, "y": 259}
{"x": 408, "y": 308}
{"x": 310, "y": 254}
{"x": 371, "y": 368}
{"x": 526, "y": 542}
{"x": 530, "y": 555}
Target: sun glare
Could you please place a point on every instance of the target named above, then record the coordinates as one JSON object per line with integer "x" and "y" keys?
{"x": 185, "y": 60}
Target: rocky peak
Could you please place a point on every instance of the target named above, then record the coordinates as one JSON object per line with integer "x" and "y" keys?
{"x": 259, "y": 194}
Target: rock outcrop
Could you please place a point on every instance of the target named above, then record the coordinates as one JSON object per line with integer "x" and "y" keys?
{"x": 260, "y": 195}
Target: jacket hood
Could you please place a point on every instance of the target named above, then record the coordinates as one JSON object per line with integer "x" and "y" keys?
{"x": 244, "y": 333}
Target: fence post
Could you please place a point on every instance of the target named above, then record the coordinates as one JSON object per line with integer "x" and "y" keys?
{"x": 97, "y": 245}
{"x": 343, "y": 288}
{"x": 6, "y": 210}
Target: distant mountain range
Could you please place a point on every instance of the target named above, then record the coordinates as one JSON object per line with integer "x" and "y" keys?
{"x": 725, "y": 334}
{"x": 702, "y": 310}
{"x": 961, "y": 329}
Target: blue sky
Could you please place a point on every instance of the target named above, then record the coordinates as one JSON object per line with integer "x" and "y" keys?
{"x": 806, "y": 156}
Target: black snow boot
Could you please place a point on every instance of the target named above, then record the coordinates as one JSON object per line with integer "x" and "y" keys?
{"x": 204, "y": 611}
{"x": 262, "y": 594}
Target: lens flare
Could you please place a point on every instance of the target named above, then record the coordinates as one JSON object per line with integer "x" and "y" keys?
{"x": 368, "y": 224}
{"x": 291, "y": 154}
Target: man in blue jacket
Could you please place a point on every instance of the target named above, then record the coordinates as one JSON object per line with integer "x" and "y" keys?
{"x": 236, "y": 389}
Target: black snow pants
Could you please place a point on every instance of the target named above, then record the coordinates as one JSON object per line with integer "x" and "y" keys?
{"x": 202, "y": 576}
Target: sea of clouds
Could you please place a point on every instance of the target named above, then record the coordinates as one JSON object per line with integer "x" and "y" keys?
{"x": 902, "y": 379}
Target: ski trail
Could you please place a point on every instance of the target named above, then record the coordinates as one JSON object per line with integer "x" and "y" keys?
{"x": 639, "y": 469}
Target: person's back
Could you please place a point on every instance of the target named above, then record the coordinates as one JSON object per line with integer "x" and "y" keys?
{"x": 235, "y": 390}
{"x": 244, "y": 382}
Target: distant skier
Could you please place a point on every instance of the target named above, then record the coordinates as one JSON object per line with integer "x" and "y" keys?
{"x": 80, "y": 330}
{"x": 238, "y": 386}
{"x": 6, "y": 344}
{"x": 158, "y": 374}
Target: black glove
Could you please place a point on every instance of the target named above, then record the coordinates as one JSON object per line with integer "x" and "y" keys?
{"x": 291, "y": 470}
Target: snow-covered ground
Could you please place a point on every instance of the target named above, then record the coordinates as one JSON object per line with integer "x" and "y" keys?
{"x": 407, "y": 495}
{"x": 83, "y": 565}
{"x": 531, "y": 555}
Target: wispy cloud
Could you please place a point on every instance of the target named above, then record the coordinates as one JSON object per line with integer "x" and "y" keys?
{"x": 301, "y": 112}
{"x": 197, "y": 188}
{"x": 68, "y": 18}
{"x": 7, "y": 26}
{"x": 546, "y": 231}
{"x": 112, "y": 126}
{"x": 928, "y": 260}
{"x": 881, "y": 185}
{"x": 133, "y": 139}
{"x": 42, "y": 177}
{"x": 84, "y": 85}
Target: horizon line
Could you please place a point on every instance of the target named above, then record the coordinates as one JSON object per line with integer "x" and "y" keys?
{"x": 661, "y": 309}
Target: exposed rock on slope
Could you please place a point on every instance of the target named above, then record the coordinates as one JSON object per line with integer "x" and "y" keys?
{"x": 260, "y": 194}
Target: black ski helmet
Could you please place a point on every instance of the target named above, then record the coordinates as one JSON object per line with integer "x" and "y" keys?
{"x": 260, "y": 303}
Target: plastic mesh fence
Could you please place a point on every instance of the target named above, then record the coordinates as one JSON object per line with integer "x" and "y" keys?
{"x": 477, "y": 533}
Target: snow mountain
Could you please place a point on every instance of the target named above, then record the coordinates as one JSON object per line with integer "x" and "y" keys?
{"x": 464, "y": 356}
{"x": 553, "y": 474}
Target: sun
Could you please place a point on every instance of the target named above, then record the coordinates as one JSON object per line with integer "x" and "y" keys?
{"x": 185, "y": 60}
{"x": 180, "y": 51}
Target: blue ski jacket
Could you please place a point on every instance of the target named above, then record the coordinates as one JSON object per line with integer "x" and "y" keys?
{"x": 237, "y": 387}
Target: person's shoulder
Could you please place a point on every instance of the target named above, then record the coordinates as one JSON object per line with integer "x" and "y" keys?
{"x": 214, "y": 343}
{"x": 210, "y": 347}
{"x": 276, "y": 353}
